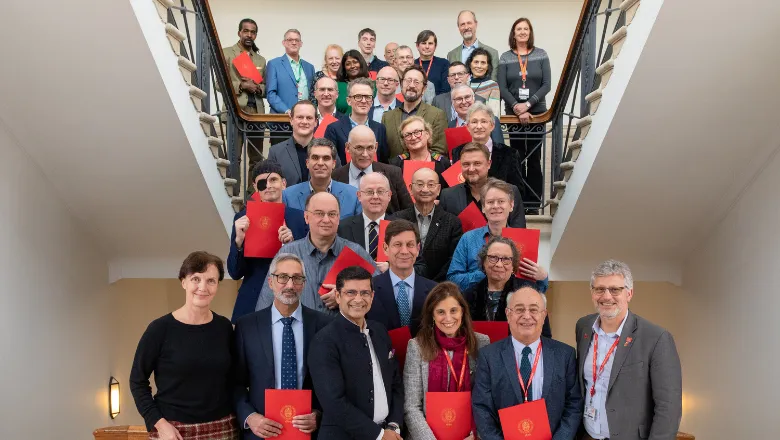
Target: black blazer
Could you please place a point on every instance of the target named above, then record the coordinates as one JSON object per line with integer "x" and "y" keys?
{"x": 400, "y": 198}
{"x": 352, "y": 228}
{"x": 440, "y": 243}
{"x": 440, "y": 164}
{"x": 338, "y": 133}
{"x": 505, "y": 164}
{"x": 254, "y": 361}
{"x": 454, "y": 201}
{"x": 385, "y": 310}
{"x": 340, "y": 366}
{"x": 476, "y": 296}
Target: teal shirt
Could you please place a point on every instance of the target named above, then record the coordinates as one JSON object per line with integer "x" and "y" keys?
{"x": 300, "y": 78}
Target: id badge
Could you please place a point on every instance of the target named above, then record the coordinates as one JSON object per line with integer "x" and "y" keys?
{"x": 591, "y": 413}
{"x": 524, "y": 94}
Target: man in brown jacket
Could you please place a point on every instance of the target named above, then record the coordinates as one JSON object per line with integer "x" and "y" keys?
{"x": 249, "y": 93}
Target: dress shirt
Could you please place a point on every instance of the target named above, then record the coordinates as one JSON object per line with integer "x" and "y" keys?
{"x": 354, "y": 171}
{"x": 599, "y": 428}
{"x": 366, "y": 222}
{"x": 355, "y": 124}
{"x": 379, "y": 110}
{"x": 395, "y": 279}
{"x": 330, "y": 186}
{"x": 277, "y": 328}
{"x": 458, "y": 121}
{"x": 538, "y": 378}
{"x": 405, "y": 115}
{"x": 300, "y": 76}
{"x": 465, "y": 51}
{"x": 423, "y": 223}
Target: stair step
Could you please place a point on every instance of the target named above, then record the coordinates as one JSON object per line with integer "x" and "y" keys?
{"x": 215, "y": 145}
{"x": 553, "y": 204}
{"x": 584, "y": 125}
{"x": 187, "y": 68}
{"x": 630, "y": 7}
{"x": 616, "y": 40}
{"x": 567, "y": 168}
{"x": 196, "y": 96}
{"x": 222, "y": 166}
{"x": 175, "y": 37}
{"x": 594, "y": 98}
{"x": 576, "y": 148}
{"x": 237, "y": 202}
{"x": 162, "y": 8}
{"x": 206, "y": 122}
{"x": 605, "y": 72}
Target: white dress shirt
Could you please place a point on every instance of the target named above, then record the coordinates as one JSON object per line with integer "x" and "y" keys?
{"x": 354, "y": 173}
{"x": 277, "y": 329}
{"x": 366, "y": 222}
{"x": 537, "y": 380}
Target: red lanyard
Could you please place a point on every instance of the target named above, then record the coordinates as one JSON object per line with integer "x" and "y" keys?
{"x": 597, "y": 373}
{"x": 523, "y": 385}
{"x": 523, "y": 66}
{"x": 427, "y": 72}
{"x": 458, "y": 382}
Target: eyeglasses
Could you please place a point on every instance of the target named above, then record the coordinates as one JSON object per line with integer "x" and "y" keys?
{"x": 493, "y": 259}
{"x": 333, "y": 215}
{"x": 383, "y": 79}
{"x": 457, "y": 74}
{"x": 361, "y": 150}
{"x": 283, "y": 278}
{"x": 354, "y": 293}
{"x": 413, "y": 134}
{"x": 429, "y": 185}
{"x": 371, "y": 192}
{"x": 412, "y": 81}
{"x": 463, "y": 99}
{"x": 362, "y": 98}
{"x": 614, "y": 291}
{"x": 520, "y": 311}
{"x": 292, "y": 40}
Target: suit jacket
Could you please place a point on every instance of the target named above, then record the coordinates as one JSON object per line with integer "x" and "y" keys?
{"x": 444, "y": 103}
{"x": 400, "y": 199}
{"x": 385, "y": 310}
{"x": 497, "y": 387}
{"x": 456, "y": 54}
{"x": 440, "y": 243}
{"x": 284, "y": 153}
{"x": 281, "y": 88}
{"x": 295, "y": 197}
{"x": 352, "y": 229}
{"x": 376, "y": 64}
{"x": 338, "y": 133}
{"x": 258, "y": 60}
{"x": 340, "y": 366}
{"x": 497, "y": 136}
{"x": 477, "y": 295}
{"x": 254, "y": 362}
{"x": 392, "y": 122}
{"x": 454, "y": 201}
{"x": 505, "y": 163}
{"x": 644, "y": 397}
{"x": 416, "y": 385}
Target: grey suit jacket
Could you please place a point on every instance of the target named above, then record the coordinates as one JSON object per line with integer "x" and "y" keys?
{"x": 416, "y": 385}
{"x": 444, "y": 103}
{"x": 455, "y": 54}
{"x": 285, "y": 154}
{"x": 644, "y": 397}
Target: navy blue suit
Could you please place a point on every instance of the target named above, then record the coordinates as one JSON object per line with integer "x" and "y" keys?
{"x": 281, "y": 90}
{"x": 254, "y": 362}
{"x": 376, "y": 64}
{"x": 497, "y": 387}
{"x": 338, "y": 133}
{"x": 384, "y": 308}
{"x": 255, "y": 270}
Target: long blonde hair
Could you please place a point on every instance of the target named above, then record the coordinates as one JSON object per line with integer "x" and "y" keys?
{"x": 325, "y": 57}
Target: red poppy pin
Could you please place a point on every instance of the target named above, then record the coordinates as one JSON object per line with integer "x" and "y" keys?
{"x": 585, "y": 336}
{"x": 628, "y": 341}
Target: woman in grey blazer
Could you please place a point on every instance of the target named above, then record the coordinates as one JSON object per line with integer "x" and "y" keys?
{"x": 445, "y": 328}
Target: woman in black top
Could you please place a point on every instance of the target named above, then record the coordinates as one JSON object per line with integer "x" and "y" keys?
{"x": 190, "y": 352}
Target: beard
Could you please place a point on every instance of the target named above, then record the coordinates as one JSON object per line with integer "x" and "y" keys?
{"x": 411, "y": 96}
{"x": 286, "y": 300}
{"x": 609, "y": 315}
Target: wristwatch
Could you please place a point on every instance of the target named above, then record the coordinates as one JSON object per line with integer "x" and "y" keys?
{"x": 528, "y": 104}
{"x": 394, "y": 427}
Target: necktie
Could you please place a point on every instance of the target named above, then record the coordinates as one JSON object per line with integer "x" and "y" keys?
{"x": 361, "y": 174}
{"x": 525, "y": 371}
{"x": 373, "y": 239}
{"x": 289, "y": 364}
{"x": 403, "y": 304}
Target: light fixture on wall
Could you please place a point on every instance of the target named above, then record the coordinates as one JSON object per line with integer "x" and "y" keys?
{"x": 113, "y": 397}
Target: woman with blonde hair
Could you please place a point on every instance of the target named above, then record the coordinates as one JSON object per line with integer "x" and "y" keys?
{"x": 331, "y": 63}
{"x": 416, "y": 135}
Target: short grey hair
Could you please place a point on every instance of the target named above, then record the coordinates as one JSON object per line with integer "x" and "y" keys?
{"x": 493, "y": 183}
{"x": 613, "y": 267}
{"x": 292, "y": 30}
{"x": 402, "y": 47}
{"x": 480, "y": 107}
{"x": 381, "y": 177}
{"x": 359, "y": 82}
{"x": 322, "y": 142}
{"x": 461, "y": 86}
{"x": 482, "y": 255}
{"x": 526, "y": 285}
{"x": 279, "y": 258}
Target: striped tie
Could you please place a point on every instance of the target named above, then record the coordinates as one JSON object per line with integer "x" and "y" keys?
{"x": 373, "y": 240}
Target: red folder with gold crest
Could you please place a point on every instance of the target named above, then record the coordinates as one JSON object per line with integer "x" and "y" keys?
{"x": 262, "y": 236}
{"x": 472, "y": 218}
{"x": 527, "y": 421}
{"x": 282, "y": 405}
{"x": 454, "y": 174}
{"x": 449, "y": 414}
{"x": 526, "y": 241}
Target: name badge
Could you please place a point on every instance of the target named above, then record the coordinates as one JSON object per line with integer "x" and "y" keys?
{"x": 524, "y": 94}
{"x": 591, "y": 413}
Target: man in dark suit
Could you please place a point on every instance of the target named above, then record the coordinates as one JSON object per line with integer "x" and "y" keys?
{"x": 271, "y": 349}
{"x": 363, "y": 229}
{"x": 548, "y": 369}
{"x": 356, "y": 404}
{"x": 361, "y": 146}
{"x": 638, "y": 395}
{"x": 400, "y": 293}
{"x": 359, "y": 97}
{"x": 475, "y": 160}
{"x": 440, "y": 231}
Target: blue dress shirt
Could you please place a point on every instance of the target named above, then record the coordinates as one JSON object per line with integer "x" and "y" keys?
{"x": 465, "y": 51}
{"x": 354, "y": 171}
{"x": 409, "y": 286}
{"x": 277, "y": 328}
{"x": 379, "y": 110}
{"x": 538, "y": 378}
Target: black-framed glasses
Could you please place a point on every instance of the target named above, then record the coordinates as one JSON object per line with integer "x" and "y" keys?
{"x": 383, "y": 79}
{"x": 614, "y": 291}
{"x": 362, "y": 98}
{"x": 493, "y": 259}
{"x": 354, "y": 293}
{"x": 283, "y": 278}
{"x": 413, "y": 134}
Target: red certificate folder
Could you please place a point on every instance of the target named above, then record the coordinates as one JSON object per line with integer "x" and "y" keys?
{"x": 527, "y": 421}
{"x": 472, "y": 218}
{"x": 411, "y": 167}
{"x": 400, "y": 339}
{"x": 282, "y": 405}
{"x": 399, "y": 97}
{"x": 526, "y": 241}
{"x": 380, "y": 250}
{"x": 456, "y": 137}
{"x": 247, "y": 68}
{"x": 262, "y": 237}
{"x": 449, "y": 414}
{"x": 495, "y": 330}
{"x": 453, "y": 175}
{"x": 326, "y": 120}
{"x": 372, "y": 75}
{"x": 347, "y": 257}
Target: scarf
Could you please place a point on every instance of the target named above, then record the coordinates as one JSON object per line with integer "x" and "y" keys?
{"x": 438, "y": 368}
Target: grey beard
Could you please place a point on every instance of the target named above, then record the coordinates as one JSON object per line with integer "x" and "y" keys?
{"x": 610, "y": 315}
{"x": 286, "y": 300}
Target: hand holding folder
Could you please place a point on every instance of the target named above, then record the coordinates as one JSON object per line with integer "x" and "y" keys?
{"x": 262, "y": 237}
{"x": 283, "y": 405}
{"x": 527, "y": 421}
{"x": 526, "y": 241}
{"x": 472, "y": 218}
{"x": 347, "y": 257}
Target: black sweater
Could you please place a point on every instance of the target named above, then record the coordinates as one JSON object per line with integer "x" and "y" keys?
{"x": 192, "y": 371}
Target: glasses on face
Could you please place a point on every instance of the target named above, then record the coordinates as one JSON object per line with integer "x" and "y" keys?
{"x": 412, "y": 134}
{"x": 362, "y": 98}
{"x": 457, "y": 74}
{"x": 520, "y": 311}
{"x": 412, "y": 81}
{"x": 353, "y": 293}
{"x": 463, "y": 99}
{"x": 293, "y": 40}
{"x": 372, "y": 193}
{"x": 333, "y": 215}
{"x": 361, "y": 150}
{"x": 614, "y": 291}
{"x": 429, "y": 185}
{"x": 386, "y": 80}
{"x": 494, "y": 259}
{"x": 283, "y": 278}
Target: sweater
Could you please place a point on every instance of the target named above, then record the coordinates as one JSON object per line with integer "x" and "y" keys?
{"x": 438, "y": 73}
{"x": 538, "y": 81}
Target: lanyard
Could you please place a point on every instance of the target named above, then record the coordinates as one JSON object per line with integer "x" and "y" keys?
{"x": 300, "y": 72}
{"x": 527, "y": 388}
{"x": 523, "y": 66}
{"x": 597, "y": 373}
{"x": 458, "y": 382}
{"x": 427, "y": 72}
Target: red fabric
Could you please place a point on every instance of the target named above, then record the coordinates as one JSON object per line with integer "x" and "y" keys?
{"x": 225, "y": 428}
{"x": 437, "y": 368}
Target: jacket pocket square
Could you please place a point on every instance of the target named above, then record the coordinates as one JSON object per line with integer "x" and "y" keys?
{"x": 391, "y": 354}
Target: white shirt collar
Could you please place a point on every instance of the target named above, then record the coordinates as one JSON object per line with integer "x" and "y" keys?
{"x": 395, "y": 279}
{"x": 519, "y": 346}
{"x": 597, "y": 326}
{"x": 276, "y": 315}
{"x": 367, "y": 220}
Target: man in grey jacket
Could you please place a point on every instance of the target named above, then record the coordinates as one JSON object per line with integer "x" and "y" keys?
{"x": 467, "y": 26}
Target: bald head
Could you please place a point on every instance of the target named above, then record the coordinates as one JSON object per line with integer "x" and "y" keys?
{"x": 361, "y": 133}
{"x": 425, "y": 187}
{"x": 322, "y": 215}
{"x": 424, "y": 174}
{"x": 374, "y": 195}
{"x": 362, "y": 146}
{"x": 374, "y": 179}
{"x": 386, "y": 89}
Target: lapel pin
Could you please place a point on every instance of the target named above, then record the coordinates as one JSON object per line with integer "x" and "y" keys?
{"x": 585, "y": 336}
{"x": 628, "y": 341}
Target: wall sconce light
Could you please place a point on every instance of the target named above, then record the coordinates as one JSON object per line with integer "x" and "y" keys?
{"x": 113, "y": 397}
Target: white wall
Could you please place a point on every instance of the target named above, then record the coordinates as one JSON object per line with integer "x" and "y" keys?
{"x": 53, "y": 320}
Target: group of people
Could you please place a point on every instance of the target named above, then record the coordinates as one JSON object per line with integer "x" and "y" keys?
{"x": 356, "y": 87}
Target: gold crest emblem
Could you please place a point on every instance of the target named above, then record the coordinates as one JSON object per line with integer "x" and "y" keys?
{"x": 461, "y": 179}
{"x": 265, "y": 222}
{"x": 448, "y": 416}
{"x": 287, "y": 413}
{"x": 526, "y": 427}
